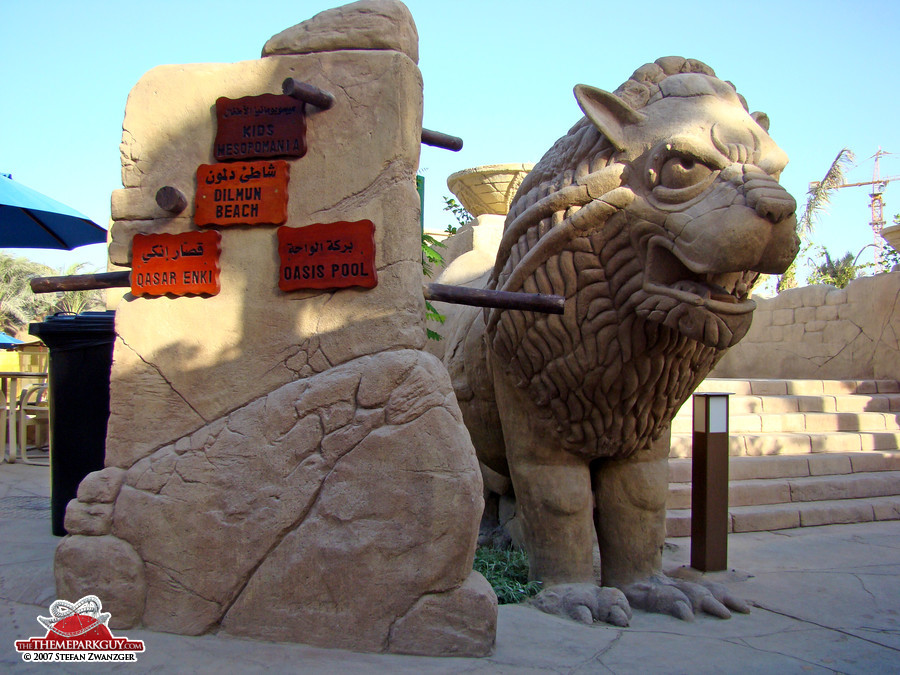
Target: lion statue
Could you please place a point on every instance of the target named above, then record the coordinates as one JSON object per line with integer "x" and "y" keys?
{"x": 654, "y": 216}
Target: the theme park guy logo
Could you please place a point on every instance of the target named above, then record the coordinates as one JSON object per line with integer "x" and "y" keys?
{"x": 78, "y": 632}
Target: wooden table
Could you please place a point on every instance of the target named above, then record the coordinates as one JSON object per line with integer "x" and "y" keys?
{"x": 10, "y": 382}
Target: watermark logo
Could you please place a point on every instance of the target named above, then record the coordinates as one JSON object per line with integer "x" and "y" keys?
{"x": 78, "y": 632}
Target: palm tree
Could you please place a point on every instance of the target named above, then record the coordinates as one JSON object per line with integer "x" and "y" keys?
{"x": 817, "y": 200}
{"x": 76, "y": 302}
{"x": 819, "y": 195}
{"x": 18, "y": 304}
{"x": 839, "y": 272}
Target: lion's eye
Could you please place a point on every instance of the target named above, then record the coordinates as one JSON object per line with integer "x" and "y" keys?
{"x": 681, "y": 172}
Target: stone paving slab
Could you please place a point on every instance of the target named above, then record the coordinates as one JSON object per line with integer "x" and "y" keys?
{"x": 826, "y": 599}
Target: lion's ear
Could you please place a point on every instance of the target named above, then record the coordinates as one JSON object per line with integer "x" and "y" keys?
{"x": 608, "y": 112}
{"x": 761, "y": 119}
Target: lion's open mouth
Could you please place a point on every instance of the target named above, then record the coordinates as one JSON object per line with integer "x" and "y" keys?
{"x": 722, "y": 293}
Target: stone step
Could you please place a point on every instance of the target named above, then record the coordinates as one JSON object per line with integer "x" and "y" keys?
{"x": 795, "y": 466}
{"x": 768, "y": 387}
{"x": 802, "y": 453}
{"x": 758, "y": 491}
{"x": 827, "y": 403}
{"x": 794, "y": 514}
{"x": 796, "y": 422}
{"x": 796, "y": 443}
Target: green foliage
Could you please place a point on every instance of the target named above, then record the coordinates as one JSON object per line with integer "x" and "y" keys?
{"x": 825, "y": 269}
{"x": 431, "y": 314}
{"x": 76, "y": 302}
{"x": 836, "y": 272}
{"x": 459, "y": 212}
{"x": 430, "y": 257}
{"x": 889, "y": 257}
{"x": 817, "y": 200}
{"x": 507, "y": 572}
{"x": 788, "y": 279}
{"x": 819, "y": 195}
{"x": 19, "y": 306}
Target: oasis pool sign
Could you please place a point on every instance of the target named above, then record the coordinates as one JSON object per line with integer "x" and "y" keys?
{"x": 327, "y": 255}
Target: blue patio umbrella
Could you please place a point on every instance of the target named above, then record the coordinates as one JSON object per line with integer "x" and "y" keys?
{"x": 29, "y": 219}
{"x": 8, "y": 341}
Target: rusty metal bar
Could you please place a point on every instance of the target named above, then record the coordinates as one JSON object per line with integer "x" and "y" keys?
{"x": 307, "y": 93}
{"x": 439, "y": 140}
{"x": 324, "y": 100}
{"x": 479, "y": 297}
{"x": 82, "y": 282}
{"x": 457, "y": 295}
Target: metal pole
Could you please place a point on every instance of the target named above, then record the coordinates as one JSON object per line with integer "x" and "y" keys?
{"x": 82, "y": 282}
{"x": 459, "y": 295}
{"x": 479, "y": 297}
{"x": 307, "y": 93}
{"x": 441, "y": 140}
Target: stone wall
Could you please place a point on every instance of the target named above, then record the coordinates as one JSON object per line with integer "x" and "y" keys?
{"x": 822, "y": 332}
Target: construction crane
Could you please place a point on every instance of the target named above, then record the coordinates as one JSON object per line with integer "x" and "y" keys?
{"x": 876, "y": 199}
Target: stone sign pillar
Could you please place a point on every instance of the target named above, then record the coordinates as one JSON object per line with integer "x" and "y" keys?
{"x": 282, "y": 464}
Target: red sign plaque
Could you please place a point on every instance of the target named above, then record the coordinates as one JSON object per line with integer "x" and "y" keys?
{"x": 256, "y": 127}
{"x": 242, "y": 193}
{"x": 327, "y": 255}
{"x": 176, "y": 264}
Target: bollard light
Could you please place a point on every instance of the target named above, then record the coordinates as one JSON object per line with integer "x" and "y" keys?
{"x": 709, "y": 476}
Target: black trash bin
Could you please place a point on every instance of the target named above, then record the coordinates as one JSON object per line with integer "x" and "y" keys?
{"x": 81, "y": 347}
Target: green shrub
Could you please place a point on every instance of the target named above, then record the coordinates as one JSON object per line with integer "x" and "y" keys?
{"x": 507, "y": 572}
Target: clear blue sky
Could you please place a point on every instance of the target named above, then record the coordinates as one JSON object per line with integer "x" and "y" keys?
{"x": 498, "y": 73}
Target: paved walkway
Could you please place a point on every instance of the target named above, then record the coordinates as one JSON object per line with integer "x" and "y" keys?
{"x": 826, "y": 600}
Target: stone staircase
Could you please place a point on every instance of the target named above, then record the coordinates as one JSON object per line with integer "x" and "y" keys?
{"x": 803, "y": 453}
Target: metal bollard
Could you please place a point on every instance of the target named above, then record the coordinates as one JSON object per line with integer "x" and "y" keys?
{"x": 709, "y": 477}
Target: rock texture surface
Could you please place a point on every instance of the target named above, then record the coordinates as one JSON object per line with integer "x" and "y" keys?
{"x": 192, "y": 376}
{"x": 822, "y": 332}
{"x": 286, "y": 466}
{"x": 370, "y": 24}
{"x": 334, "y": 482}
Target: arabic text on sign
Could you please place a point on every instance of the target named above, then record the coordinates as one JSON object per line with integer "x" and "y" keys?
{"x": 181, "y": 251}
{"x": 328, "y": 245}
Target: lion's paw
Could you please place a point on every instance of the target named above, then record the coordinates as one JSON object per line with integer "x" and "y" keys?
{"x": 585, "y": 603}
{"x": 682, "y": 598}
